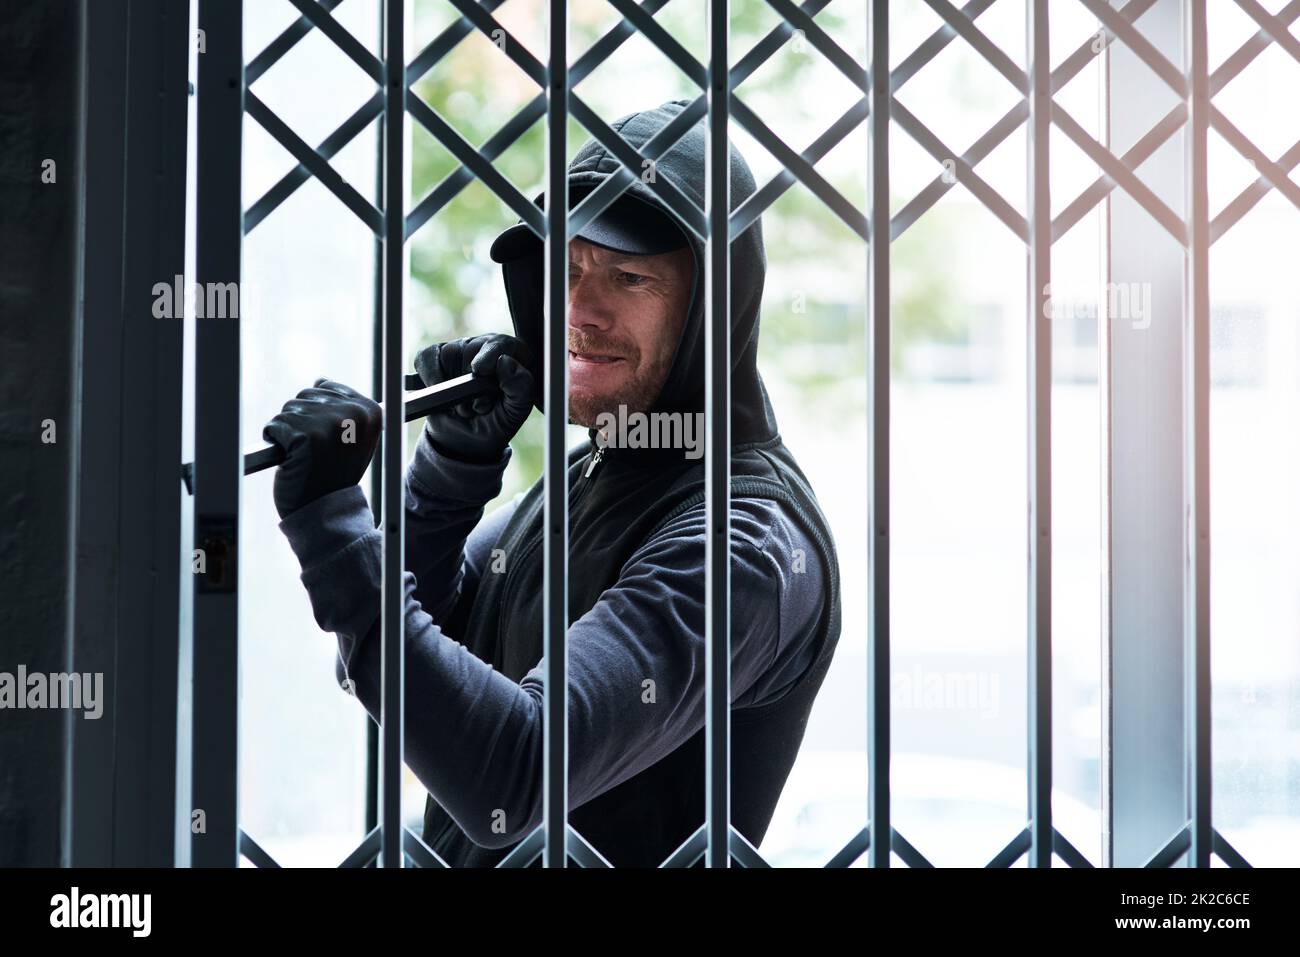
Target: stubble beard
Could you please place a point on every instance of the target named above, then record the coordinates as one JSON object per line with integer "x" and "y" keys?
{"x": 637, "y": 395}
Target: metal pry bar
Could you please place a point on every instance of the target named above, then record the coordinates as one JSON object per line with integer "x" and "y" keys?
{"x": 420, "y": 404}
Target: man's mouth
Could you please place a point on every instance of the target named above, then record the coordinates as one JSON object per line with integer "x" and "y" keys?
{"x": 593, "y": 358}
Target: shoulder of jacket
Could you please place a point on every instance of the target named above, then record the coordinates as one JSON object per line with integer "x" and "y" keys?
{"x": 762, "y": 524}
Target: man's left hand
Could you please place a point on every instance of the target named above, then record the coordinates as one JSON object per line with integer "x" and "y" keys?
{"x": 329, "y": 433}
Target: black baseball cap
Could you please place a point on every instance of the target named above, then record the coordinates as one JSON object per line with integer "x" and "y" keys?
{"x": 627, "y": 225}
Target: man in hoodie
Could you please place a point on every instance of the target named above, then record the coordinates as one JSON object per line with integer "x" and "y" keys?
{"x": 637, "y": 527}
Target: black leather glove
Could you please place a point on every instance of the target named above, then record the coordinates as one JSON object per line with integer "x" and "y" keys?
{"x": 329, "y": 433}
{"x": 478, "y": 429}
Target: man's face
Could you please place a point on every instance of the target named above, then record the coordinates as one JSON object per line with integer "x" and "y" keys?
{"x": 625, "y": 317}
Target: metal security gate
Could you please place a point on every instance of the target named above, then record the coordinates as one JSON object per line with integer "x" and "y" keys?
{"x": 223, "y": 100}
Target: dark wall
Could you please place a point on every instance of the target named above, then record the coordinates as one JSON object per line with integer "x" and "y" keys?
{"x": 39, "y": 102}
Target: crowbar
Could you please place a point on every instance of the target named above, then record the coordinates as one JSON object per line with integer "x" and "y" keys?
{"x": 419, "y": 405}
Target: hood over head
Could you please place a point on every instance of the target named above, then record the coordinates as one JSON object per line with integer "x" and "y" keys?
{"x": 752, "y": 418}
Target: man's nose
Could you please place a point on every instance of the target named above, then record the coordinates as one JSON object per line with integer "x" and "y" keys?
{"x": 587, "y": 305}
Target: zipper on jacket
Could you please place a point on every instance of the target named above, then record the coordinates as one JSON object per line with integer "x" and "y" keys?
{"x": 597, "y": 456}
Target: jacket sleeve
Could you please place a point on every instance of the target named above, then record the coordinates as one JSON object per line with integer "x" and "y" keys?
{"x": 339, "y": 548}
{"x": 636, "y": 664}
{"x": 445, "y": 499}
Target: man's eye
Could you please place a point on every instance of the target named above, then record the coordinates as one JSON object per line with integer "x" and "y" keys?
{"x": 634, "y": 279}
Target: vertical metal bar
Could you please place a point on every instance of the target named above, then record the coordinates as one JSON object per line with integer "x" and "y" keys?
{"x": 148, "y": 650}
{"x": 371, "y": 819}
{"x": 1196, "y": 439}
{"x": 392, "y": 666}
{"x": 1105, "y": 372}
{"x": 218, "y": 458}
{"x": 97, "y": 423}
{"x": 717, "y": 449}
{"x": 555, "y": 554}
{"x": 1040, "y": 439}
{"x": 1143, "y": 765}
{"x": 878, "y": 332}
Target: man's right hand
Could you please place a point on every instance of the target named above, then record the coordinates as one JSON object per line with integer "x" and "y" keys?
{"x": 478, "y": 429}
